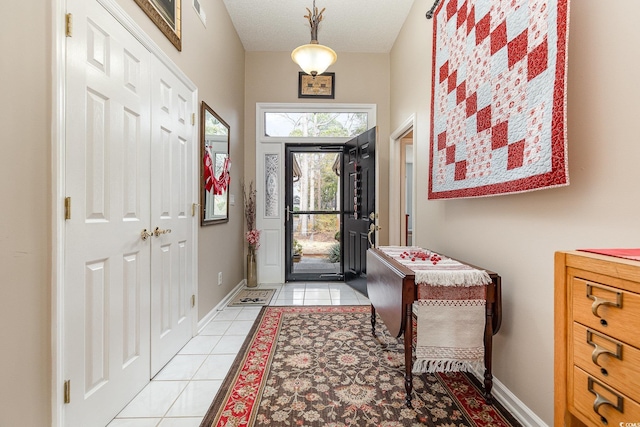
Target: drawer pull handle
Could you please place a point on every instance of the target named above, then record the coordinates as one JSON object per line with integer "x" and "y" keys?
{"x": 597, "y": 301}
{"x": 598, "y": 350}
{"x": 601, "y": 400}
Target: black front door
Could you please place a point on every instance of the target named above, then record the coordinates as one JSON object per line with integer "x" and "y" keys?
{"x": 358, "y": 203}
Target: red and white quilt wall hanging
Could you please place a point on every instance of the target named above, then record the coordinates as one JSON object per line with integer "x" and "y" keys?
{"x": 498, "y": 106}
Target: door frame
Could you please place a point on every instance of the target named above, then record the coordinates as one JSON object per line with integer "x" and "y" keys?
{"x": 57, "y": 189}
{"x": 395, "y": 179}
{"x": 271, "y": 263}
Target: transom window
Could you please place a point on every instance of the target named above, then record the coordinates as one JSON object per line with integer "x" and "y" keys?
{"x": 315, "y": 124}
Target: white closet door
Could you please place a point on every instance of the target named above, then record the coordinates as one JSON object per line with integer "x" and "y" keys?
{"x": 172, "y": 194}
{"x": 107, "y": 284}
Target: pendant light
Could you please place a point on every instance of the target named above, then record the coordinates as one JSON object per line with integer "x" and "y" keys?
{"x": 314, "y": 58}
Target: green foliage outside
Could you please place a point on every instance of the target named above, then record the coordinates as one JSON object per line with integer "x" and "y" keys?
{"x": 214, "y": 127}
{"x": 329, "y": 183}
{"x": 327, "y": 125}
{"x": 324, "y": 223}
{"x": 334, "y": 253}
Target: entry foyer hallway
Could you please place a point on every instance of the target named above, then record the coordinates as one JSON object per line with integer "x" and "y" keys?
{"x": 181, "y": 393}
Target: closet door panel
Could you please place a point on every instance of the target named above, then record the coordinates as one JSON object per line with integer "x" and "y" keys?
{"x": 172, "y": 192}
{"x": 106, "y": 272}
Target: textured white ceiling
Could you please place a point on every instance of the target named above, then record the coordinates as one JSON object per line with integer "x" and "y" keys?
{"x": 368, "y": 26}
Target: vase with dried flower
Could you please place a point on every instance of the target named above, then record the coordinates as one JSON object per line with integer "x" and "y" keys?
{"x": 252, "y": 235}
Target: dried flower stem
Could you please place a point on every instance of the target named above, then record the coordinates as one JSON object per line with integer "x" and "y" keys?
{"x": 252, "y": 235}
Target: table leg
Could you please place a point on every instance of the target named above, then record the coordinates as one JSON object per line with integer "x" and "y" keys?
{"x": 488, "y": 345}
{"x": 408, "y": 354}
{"x": 373, "y": 320}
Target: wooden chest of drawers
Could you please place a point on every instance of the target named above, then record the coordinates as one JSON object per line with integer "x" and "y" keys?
{"x": 597, "y": 340}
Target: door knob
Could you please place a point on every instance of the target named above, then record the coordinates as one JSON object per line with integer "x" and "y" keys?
{"x": 144, "y": 234}
{"x": 372, "y": 229}
{"x": 157, "y": 232}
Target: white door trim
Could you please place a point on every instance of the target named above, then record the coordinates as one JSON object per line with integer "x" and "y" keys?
{"x": 58, "y": 132}
{"x": 58, "y": 89}
{"x": 271, "y": 264}
{"x": 395, "y": 145}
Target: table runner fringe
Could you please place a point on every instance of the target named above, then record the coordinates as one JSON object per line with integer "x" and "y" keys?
{"x": 453, "y": 278}
{"x": 445, "y": 365}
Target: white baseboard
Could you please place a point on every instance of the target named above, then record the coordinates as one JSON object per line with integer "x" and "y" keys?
{"x": 221, "y": 305}
{"x": 512, "y": 404}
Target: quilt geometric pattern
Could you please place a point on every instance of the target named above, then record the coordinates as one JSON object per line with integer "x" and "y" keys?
{"x": 498, "y": 106}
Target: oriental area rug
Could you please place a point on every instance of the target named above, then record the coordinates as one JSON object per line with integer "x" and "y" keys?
{"x": 498, "y": 105}
{"x": 321, "y": 366}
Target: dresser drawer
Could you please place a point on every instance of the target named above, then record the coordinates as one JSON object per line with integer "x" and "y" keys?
{"x": 608, "y": 360}
{"x": 612, "y": 311}
{"x": 619, "y": 410}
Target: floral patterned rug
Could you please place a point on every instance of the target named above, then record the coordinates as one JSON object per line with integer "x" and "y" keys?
{"x": 320, "y": 366}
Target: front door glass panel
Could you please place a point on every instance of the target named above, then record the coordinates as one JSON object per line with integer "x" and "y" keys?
{"x": 313, "y": 220}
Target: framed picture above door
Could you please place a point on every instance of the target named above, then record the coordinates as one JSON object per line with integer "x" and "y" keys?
{"x": 166, "y": 14}
{"x": 322, "y": 86}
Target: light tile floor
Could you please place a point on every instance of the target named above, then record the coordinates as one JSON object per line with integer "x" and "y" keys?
{"x": 180, "y": 394}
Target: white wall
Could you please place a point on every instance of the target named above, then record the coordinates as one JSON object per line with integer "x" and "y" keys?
{"x": 516, "y": 235}
{"x": 25, "y": 231}
{"x": 213, "y": 58}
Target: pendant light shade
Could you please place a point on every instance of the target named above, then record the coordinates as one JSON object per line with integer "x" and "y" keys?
{"x": 314, "y": 58}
